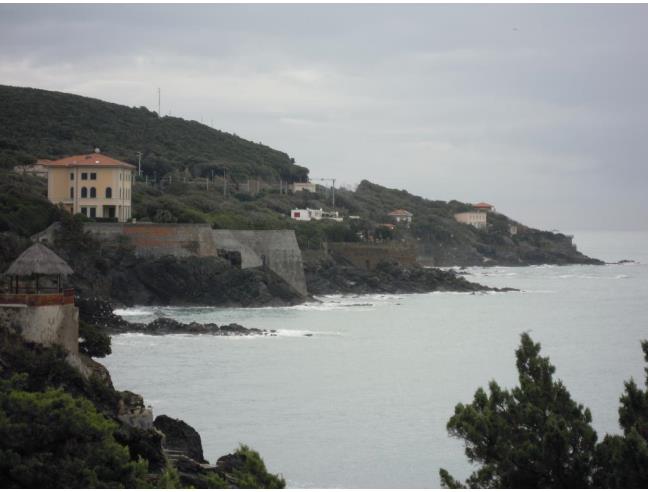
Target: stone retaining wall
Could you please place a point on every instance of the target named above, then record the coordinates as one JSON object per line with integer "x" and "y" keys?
{"x": 276, "y": 250}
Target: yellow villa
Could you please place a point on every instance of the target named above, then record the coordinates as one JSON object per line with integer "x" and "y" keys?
{"x": 94, "y": 185}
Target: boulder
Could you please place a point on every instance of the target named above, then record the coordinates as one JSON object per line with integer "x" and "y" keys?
{"x": 181, "y": 437}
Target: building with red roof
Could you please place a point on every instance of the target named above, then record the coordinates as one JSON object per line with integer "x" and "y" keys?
{"x": 94, "y": 184}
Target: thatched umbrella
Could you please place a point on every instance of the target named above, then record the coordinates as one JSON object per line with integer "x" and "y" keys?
{"x": 38, "y": 260}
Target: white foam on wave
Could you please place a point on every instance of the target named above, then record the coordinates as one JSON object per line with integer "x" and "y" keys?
{"x": 132, "y": 312}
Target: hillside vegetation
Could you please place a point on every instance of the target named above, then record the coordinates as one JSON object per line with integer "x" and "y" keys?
{"x": 191, "y": 158}
{"x": 36, "y": 123}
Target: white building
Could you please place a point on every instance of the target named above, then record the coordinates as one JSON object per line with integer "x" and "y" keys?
{"x": 475, "y": 218}
{"x": 308, "y": 214}
{"x": 295, "y": 187}
{"x": 401, "y": 216}
{"x": 39, "y": 169}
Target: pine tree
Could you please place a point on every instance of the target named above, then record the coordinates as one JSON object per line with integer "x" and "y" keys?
{"x": 532, "y": 436}
{"x": 622, "y": 461}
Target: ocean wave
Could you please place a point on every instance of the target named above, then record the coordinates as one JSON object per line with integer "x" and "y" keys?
{"x": 133, "y": 312}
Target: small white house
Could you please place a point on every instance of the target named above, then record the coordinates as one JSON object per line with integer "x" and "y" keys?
{"x": 295, "y": 187}
{"x": 308, "y": 214}
{"x": 401, "y": 216}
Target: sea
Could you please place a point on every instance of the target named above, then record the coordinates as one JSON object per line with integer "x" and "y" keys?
{"x": 356, "y": 391}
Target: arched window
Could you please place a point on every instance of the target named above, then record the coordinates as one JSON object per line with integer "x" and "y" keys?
{"x": 84, "y": 192}
{"x": 109, "y": 192}
{"x": 93, "y": 192}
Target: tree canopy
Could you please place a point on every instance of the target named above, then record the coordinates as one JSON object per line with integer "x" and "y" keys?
{"x": 536, "y": 436}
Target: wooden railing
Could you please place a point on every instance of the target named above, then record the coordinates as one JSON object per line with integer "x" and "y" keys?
{"x": 59, "y": 298}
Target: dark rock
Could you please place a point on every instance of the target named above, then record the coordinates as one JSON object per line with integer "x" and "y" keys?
{"x": 330, "y": 276}
{"x": 181, "y": 437}
{"x": 100, "y": 313}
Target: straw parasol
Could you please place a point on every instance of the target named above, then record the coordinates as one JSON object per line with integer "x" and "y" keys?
{"x": 38, "y": 260}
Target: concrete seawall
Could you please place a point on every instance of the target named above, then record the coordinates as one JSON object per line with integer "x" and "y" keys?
{"x": 276, "y": 250}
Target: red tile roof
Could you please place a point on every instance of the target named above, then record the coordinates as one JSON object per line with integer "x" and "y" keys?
{"x": 482, "y": 205}
{"x": 400, "y": 213}
{"x": 94, "y": 159}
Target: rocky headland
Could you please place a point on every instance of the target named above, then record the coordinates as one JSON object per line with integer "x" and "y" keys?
{"x": 328, "y": 275}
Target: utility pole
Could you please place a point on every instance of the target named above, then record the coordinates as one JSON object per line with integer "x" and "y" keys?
{"x": 159, "y": 105}
{"x": 139, "y": 163}
{"x": 332, "y": 180}
{"x": 224, "y": 182}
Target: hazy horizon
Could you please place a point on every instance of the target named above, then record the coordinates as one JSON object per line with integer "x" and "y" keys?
{"x": 537, "y": 109}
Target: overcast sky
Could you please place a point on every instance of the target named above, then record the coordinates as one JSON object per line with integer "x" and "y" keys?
{"x": 539, "y": 110}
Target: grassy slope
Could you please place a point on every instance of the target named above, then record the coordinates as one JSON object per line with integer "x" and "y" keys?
{"x": 43, "y": 124}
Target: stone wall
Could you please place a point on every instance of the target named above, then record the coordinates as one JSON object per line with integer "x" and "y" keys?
{"x": 47, "y": 325}
{"x": 276, "y": 250}
{"x": 368, "y": 255}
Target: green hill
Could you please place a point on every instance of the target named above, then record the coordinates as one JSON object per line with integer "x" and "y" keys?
{"x": 36, "y": 123}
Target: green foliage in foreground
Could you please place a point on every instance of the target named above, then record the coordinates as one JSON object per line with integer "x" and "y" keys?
{"x": 93, "y": 341}
{"x": 52, "y": 439}
{"x": 246, "y": 470}
{"x": 60, "y": 430}
{"x": 536, "y": 436}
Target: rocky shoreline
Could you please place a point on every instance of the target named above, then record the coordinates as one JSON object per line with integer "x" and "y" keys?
{"x": 327, "y": 275}
{"x": 100, "y": 313}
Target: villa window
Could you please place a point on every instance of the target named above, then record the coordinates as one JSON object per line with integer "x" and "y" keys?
{"x": 84, "y": 192}
{"x": 71, "y": 176}
{"x": 93, "y": 175}
{"x": 93, "y": 192}
{"x": 109, "y": 192}
{"x": 71, "y": 191}
{"x": 93, "y": 212}
{"x": 84, "y": 176}
{"x": 84, "y": 211}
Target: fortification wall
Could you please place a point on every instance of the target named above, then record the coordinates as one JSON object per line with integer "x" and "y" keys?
{"x": 47, "y": 325}
{"x": 276, "y": 250}
{"x": 368, "y": 255}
